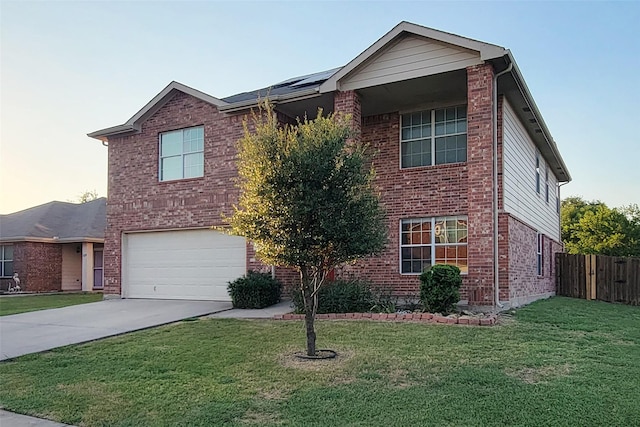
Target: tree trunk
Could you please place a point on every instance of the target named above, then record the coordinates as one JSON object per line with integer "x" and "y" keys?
{"x": 309, "y": 311}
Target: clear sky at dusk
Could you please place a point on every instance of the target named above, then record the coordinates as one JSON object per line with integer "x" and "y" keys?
{"x": 69, "y": 68}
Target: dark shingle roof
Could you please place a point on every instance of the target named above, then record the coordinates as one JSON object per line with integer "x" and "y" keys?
{"x": 295, "y": 84}
{"x": 66, "y": 221}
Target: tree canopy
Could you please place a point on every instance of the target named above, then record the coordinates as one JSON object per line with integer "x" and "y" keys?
{"x": 594, "y": 228}
{"x": 307, "y": 199}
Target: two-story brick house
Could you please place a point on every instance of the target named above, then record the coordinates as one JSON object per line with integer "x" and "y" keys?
{"x": 467, "y": 169}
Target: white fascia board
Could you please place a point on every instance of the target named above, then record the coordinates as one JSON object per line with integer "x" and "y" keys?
{"x": 134, "y": 123}
{"x": 487, "y": 51}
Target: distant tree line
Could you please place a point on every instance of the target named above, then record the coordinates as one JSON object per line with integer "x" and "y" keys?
{"x": 594, "y": 228}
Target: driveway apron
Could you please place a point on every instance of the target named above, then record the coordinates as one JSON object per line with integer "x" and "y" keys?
{"x": 43, "y": 330}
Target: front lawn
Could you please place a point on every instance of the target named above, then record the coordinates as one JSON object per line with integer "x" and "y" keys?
{"x": 559, "y": 362}
{"x": 21, "y": 304}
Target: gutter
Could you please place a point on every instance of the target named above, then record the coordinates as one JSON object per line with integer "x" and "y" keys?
{"x": 496, "y": 254}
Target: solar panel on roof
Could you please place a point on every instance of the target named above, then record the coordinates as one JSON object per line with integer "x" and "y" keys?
{"x": 316, "y": 78}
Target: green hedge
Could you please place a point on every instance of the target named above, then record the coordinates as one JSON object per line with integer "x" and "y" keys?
{"x": 341, "y": 296}
{"x": 255, "y": 290}
{"x": 440, "y": 288}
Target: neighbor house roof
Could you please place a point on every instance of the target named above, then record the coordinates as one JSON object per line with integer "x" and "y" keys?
{"x": 56, "y": 222}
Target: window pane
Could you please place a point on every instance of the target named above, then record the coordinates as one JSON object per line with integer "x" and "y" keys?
{"x": 450, "y": 114}
{"x": 416, "y": 119}
{"x": 8, "y": 268}
{"x": 171, "y": 168}
{"x": 439, "y": 116}
{"x": 406, "y": 133}
{"x": 171, "y": 144}
{"x": 193, "y": 165}
{"x": 440, "y": 128}
{"x": 8, "y": 252}
{"x": 406, "y": 266}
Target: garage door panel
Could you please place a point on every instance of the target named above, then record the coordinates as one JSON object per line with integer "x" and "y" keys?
{"x": 189, "y": 264}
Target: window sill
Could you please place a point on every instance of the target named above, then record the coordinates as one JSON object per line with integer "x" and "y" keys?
{"x": 444, "y": 165}
{"x": 173, "y": 181}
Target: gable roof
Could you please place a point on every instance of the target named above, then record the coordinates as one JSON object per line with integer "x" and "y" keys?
{"x": 486, "y": 51}
{"x": 57, "y": 222}
{"x": 135, "y": 122}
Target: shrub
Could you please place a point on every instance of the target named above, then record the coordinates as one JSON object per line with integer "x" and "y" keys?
{"x": 255, "y": 290}
{"x": 440, "y": 288}
{"x": 341, "y": 296}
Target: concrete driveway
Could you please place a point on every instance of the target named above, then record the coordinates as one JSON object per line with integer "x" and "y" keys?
{"x": 38, "y": 331}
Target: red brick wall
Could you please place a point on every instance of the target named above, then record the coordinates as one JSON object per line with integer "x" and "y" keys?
{"x": 405, "y": 193}
{"x": 39, "y": 266}
{"x": 480, "y": 188}
{"x": 524, "y": 283}
{"x": 138, "y": 201}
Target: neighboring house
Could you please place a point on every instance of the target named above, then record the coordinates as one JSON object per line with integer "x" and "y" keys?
{"x": 54, "y": 247}
{"x": 466, "y": 167}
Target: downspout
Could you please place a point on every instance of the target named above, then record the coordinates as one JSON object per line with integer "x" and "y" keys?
{"x": 558, "y": 185}
{"x": 496, "y": 255}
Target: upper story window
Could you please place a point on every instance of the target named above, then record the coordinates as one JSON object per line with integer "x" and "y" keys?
{"x": 6, "y": 260}
{"x": 434, "y": 137}
{"x": 428, "y": 241}
{"x": 182, "y": 154}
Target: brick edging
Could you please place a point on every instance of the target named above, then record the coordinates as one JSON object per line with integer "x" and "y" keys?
{"x": 491, "y": 320}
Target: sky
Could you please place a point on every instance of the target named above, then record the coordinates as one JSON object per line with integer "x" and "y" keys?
{"x": 70, "y": 68}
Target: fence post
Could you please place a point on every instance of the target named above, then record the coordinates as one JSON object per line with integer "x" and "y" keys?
{"x": 590, "y": 276}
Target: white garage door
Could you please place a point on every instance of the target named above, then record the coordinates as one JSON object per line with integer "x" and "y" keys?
{"x": 188, "y": 264}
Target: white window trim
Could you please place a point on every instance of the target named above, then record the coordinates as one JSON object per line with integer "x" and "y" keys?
{"x": 538, "y": 183}
{"x": 546, "y": 185}
{"x": 3, "y": 260}
{"x": 432, "y": 244}
{"x": 433, "y": 134}
{"x": 160, "y": 157}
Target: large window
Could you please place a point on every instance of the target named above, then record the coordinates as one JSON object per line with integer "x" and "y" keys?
{"x": 434, "y": 137}
{"x": 428, "y": 241}
{"x": 182, "y": 154}
{"x": 6, "y": 260}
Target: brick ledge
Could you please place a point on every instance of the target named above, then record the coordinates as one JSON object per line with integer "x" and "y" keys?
{"x": 490, "y": 320}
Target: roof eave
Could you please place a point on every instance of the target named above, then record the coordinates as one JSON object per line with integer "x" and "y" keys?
{"x": 276, "y": 99}
{"x": 487, "y": 51}
{"x": 524, "y": 90}
{"x": 134, "y": 124}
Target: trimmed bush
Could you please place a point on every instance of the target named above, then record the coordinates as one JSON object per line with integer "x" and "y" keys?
{"x": 255, "y": 290}
{"x": 341, "y": 296}
{"x": 440, "y": 288}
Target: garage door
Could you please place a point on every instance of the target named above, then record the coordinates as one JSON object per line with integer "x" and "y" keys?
{"x": 189, "y": 264}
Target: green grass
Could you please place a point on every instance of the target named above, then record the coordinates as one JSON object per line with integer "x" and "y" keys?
{"x": 22, "y": 304}
{"x": 559, "y": 362}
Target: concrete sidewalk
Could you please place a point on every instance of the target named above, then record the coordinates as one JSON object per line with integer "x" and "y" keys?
{"x": 282, "y": 307}
{"x": 10, "y": 419}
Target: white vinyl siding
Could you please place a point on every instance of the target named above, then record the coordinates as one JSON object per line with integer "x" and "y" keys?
{"x": 521, "y": 198}
{"x": 412, "y": 56}
{"x": 72, "y": 267}
{"x": 186, "y": 264}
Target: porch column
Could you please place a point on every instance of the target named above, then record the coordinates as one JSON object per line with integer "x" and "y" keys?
{"x": 348, "y": 102}
{"x": 480, "y": 188}
{"x": 87, "y": 267}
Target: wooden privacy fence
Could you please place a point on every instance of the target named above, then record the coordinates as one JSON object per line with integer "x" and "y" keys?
{"x": 605, "y": 278}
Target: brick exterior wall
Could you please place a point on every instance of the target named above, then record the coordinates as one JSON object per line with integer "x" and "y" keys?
{"x": 452, "y": 189}
{"x": 139, "y": 201}
{"x": 39, "y": 266}
{"x": 524, "y": 283}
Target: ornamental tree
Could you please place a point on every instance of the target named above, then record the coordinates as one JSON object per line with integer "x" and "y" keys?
{"x": 307, "y": 200}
